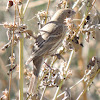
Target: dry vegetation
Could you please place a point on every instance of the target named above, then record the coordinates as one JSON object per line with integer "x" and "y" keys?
{"x": 74, "y": 74}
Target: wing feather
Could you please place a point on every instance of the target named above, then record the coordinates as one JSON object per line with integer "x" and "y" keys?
{"x": 45, "y": 46}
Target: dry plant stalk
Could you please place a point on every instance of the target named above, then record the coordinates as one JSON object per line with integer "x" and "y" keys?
{"x": 50, "y": 76}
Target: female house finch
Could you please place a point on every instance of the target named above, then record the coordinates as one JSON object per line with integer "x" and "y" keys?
{"x": 50, "y": 38}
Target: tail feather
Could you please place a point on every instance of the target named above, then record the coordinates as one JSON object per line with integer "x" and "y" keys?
{"x": 37, "y": 61}
{"x": 33, "y": 85}
{"x": 37, "y": 65}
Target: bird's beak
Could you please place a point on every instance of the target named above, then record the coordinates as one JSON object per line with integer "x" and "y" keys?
{"x": 73, "y": 12}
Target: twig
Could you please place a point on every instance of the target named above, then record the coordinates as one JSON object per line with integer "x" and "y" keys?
{"x": 69, "y": 61}
{"x": 82, "y": 80}
{"x": 43, "y": 93}
{"x": 47, "y": 10}
{"x": 12, "y": 50}
{"x": 71, "y": 87}
{"x": 78, "y": 98}
{"x": 82, "y": 23}
{"x": 50, "y": 73}
{"x": 67, "y": 67}
{"x": 26, "y": 6}
{"x": 48, "y": 6}
{"x": 75, "y": 4}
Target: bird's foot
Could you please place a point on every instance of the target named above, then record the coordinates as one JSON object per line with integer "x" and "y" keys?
{"x": 59, "y": 56}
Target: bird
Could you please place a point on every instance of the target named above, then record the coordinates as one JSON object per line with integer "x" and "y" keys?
{"x": 48, "y": 41}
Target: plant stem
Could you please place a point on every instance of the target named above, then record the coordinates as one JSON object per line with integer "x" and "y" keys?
{"x": 70, "y": 59}
{"x": 26, "y": 7}
{"x": 12, "y": 50}
{"x": 67, "y": 67}
{"x": 21, "y": 69}
{"x": 83, "y": 20}
{"x": 58, "y": 89}
{"x": 21, "y": 42}
{"x": 48, "y": 6}
{"x": 78, "y": 98}
{"x": 50, "y": 73}
{"x": 43, "y": 93}
{"x": 47, "y": 10}
{"x": 75, "y": 4}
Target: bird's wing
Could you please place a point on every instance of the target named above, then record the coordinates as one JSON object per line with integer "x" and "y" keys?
{"x": 51, "y": 39}
{"x": 43, "y": 46}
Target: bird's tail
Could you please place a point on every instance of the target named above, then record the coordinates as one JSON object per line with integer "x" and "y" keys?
{"x": 33, "y": 85}
{"x": 37, "y": 61}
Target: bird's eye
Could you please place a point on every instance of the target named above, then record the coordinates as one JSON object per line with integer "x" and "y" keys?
{"x": 69, "y": 12}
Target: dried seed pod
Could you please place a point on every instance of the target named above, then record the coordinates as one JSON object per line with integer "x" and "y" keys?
{"x": 88, "y": 17}
{"x": 93, "y": 34}
{"x": 19, "y": 2}
{"x": 41, "y": 15}
{"x": 91, "y": 62}
{"x": 29, "y": 34}
{"x": 11, "y": 69}
{"x": 6, "y": 45}
{"x": 81, "y": 44}
{"x": 9, "y": 4}
{"x": 18, "y": 35}
{"x": 9, "y": 34}
{"x": 5, "y": 95}
{"x": 12, "y": 58}
{"x": 59, "y": 4}
{"x": 87, "y": 37}
{"x": 67, "y": 94}
{"x": 22, "y": 27}
{"x": 6, "y": 25}
{"x": 62, "y": 4}
{"x": 75, "y": 43}
{"x": 57, "y": 80}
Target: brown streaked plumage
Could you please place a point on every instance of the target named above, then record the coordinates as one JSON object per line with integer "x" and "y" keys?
{"x": 50, "y": 38}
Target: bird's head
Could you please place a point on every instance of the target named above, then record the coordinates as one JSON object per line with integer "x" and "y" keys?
{"x": 61, "y": 14}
